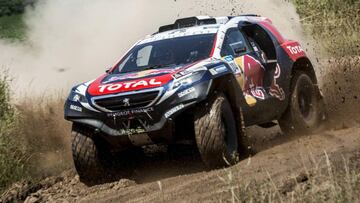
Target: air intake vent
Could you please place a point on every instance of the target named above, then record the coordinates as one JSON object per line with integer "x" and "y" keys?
{"x": 187, "y": 22}
{"x": 127, "y": 101}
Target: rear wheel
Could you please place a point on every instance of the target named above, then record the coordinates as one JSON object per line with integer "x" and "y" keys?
{"x": 89, "y": 158}
{"x": 216, "y": 134}
{"x": 306, "y": 108}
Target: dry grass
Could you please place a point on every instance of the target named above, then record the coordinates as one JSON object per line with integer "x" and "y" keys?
{"x": 334, "y": 23}
{"x": 341, "y": 91}
{"x": 12, "y": 150}
{"x": 46, "y": 134}
{"x": 34, "y": 137}
{"x": 324, "y": 181}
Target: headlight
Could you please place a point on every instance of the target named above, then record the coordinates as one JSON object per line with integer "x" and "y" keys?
{"x": 77, "y": 97}
{"x": 188, "y": 79}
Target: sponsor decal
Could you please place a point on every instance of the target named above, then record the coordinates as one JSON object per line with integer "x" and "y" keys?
{"x": 275, "y": 89}
{"x": 76, "y": 108}
{"x": 99, "y": 88}
{"x": 126, "y": 102}
{"x": 218, "y": 70}
{"x": 76, "y": 98}
{"x": 213, "y": 72}
{"x": 295, "y": 49}
{"x": 250, "y": 100}
{"x": 186, "y": 92}
{"x": 252, "y": 95}
{"x": 252, "y": 83}
{"x": 229, "y": 58}
{"x": 132, "y": 131}
{"x": 128, "y": 85}
{"x": 126, "y": 129}
{"x": 233, "y": 64}
{"x": 258, "y": 93}
{"x": 174, "y": 110}
{"x": 141, "y": 74}
{"x": 250, "y": 78}
{"x": 182, "y": 74}
{"x": 131, "y": 112}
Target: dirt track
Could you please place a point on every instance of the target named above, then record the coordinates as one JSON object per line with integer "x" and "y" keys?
{"x": 182, "y": 178}
{"x": 158, "y": 176}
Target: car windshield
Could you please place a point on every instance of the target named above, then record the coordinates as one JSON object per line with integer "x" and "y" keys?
{"x": 166, "y": 53}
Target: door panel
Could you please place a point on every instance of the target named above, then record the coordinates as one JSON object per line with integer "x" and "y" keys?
{"x": 251, "y": 79}
{"x": 249, "y": 70}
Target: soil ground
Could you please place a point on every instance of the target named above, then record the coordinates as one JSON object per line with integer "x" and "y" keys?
{"x": 181, "y": 177}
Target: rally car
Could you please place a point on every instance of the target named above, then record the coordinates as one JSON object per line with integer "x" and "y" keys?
{"x": 201, "y": 79}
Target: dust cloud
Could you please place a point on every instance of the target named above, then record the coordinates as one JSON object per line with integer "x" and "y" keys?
{"x": 69, "y": 42}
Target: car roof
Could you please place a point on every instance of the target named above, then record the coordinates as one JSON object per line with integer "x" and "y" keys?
{"x": 182, "y": 32}
{"x": 197, "y": 25}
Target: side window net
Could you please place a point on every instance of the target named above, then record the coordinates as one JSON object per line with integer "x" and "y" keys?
{"x": 233, "y": 41}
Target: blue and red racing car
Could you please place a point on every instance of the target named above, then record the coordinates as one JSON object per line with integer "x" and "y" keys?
{"x": 202, "y": 79}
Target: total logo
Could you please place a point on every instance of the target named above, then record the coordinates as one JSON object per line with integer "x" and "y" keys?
{"x": 128, "y": 85}
{"x": 295, "y": 49}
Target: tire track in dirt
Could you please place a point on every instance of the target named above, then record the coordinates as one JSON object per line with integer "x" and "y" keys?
{"x": 281, "y": 161}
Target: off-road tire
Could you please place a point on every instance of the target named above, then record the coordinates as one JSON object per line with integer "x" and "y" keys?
{"x": 216, "y": 134}
{"x": 305, "y": 111}
{"x": 88, "y": 159}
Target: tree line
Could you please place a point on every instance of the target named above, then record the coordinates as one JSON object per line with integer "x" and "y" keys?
{"x": 13, "y": 7}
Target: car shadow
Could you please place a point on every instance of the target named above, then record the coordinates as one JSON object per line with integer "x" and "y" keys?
{"x": 154, "y": 163}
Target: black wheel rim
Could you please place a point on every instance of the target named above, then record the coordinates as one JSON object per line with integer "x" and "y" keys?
{"x": 305, "y": 101}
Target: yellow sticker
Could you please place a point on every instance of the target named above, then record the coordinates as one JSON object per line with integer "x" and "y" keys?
{"x": 240, "y": 78}
{"x": 240, "y": 62}
{"x": 250, "y": 100}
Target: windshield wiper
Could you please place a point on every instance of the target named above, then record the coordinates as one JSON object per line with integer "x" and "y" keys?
{"x": 150, "y": 67}
{"x": 158, "y": 66}
{"x": 153, "y": 67}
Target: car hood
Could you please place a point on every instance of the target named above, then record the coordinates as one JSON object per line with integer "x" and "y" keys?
{"x": 147, "y": 79}
{"x": 116, "y": 83}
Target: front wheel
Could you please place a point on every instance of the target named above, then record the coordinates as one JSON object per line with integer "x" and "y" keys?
{"x": 305, "y": 112}
{"x": 88, "y": 158}
{"x": 216, "y": 134}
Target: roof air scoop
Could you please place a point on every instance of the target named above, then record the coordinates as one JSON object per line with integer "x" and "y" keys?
{"x": 188, "y": 22}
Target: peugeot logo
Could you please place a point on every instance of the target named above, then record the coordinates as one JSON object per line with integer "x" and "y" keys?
{"x": 126, "y": 102}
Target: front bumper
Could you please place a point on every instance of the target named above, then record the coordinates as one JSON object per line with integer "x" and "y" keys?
{"x": 141, "y": 120}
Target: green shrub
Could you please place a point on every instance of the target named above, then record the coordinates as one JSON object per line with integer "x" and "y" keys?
{"x": 11, "y": 7}
{"x": 11, "y": 22}
{"x": 12, "y": 156}
{"x": 12, "y": 27}
{"x": 335, "y": 23}
{"x": 33, "y": 137}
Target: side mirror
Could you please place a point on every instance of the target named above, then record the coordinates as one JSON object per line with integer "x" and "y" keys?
{"x": 108, "y": 70}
